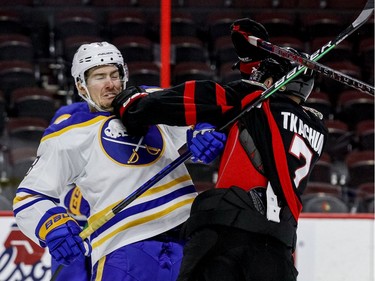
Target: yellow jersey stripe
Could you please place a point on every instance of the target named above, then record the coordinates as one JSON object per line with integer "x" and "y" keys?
{"x": 155, "y": 190}
{"x": 68, "y": 128}
{"x": 142, "y": 220}
{"x": 100, "y": 269}
{"x": 18, "y": 199}
{"x": 61, "y": 118}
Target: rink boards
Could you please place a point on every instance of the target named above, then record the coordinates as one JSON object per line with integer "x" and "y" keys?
{"x": 334, "y": 247}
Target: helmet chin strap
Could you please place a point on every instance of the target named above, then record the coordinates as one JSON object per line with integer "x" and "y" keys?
{"x": 89, "y": 100}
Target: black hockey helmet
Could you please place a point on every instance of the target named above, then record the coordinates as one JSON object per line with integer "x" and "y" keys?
{"x": 303, "y": 84}
{"x": 277, "y": 67}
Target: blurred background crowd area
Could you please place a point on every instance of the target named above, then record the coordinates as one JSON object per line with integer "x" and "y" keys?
{"x": 38, "y": 39}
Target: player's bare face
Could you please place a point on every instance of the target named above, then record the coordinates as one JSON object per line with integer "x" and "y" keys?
{"x": 104, "y": 84}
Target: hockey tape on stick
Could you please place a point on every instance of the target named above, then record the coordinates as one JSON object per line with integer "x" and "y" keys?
{"x": 362, "y": 18}
{"x": 325, "y": 70}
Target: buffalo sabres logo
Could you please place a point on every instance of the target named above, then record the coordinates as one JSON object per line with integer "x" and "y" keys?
{"x": 130, "y": 150}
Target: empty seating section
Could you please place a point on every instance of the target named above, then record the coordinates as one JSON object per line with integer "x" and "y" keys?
{"x": 340, "y": 139}
{"x": 144, "y": 73}
{"x": 25, "y": 131}
{"x": 320, "y": 101}
{"x": 188, "y": 49}
{"x": 135, "y": 48}
{"x": 354, "y": 106}
{"x": 365, "y": 134}
{"x": 124, "y": 22}
{"x": 343, "y": 51}
{"x": 279, "y": 23}
{"x": 16, "y": 74}
{"x": 38, "y": 39}
{"x": 16, "y": 47}
{"x": 33, "y": 102}
{"x": 323, "y": 170}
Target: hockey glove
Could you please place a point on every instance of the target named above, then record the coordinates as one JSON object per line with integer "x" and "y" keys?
{"x": 249, "y": 56}
{"x": 241, "y": 29}
{"x": 123, "y": 101}
{"x": 205, "y": 143}
{"x": 60, "y": 233}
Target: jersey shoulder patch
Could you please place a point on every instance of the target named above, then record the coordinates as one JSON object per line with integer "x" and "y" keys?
{"x": 66, "y": 111}
{"x": 317, "y": 113}
{"x": 78, "y": 119}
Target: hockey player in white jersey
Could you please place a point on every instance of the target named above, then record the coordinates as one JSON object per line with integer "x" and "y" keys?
{"x": 95, "y": 151}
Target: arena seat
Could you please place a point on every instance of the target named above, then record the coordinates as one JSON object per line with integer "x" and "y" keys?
{"x": 188, "y": 49}
{"x": 320, "y": 101}
{"x": 354, "y": 106}
{"x": 76, "y": 22}
{"x": 16, "y": 47}
{"x": 186, "y": 71}
{"x": 143, "y": 73}
{"x": 16, "y": 74}
{"x": 33, "y": 102}
{"x": 322, "y": 171}
{"x": 365, "y": 134}
{"x": 21, "y": 159}
{"x": 126, "y": 22}
{"x": 340, "y": 139}
{"x": 135, "y": 48}
{"x": 25, "y": 131}
{"x": 361, "y": 167}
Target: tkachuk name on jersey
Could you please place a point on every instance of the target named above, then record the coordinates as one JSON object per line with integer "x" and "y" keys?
{"x": 292, "y": 123}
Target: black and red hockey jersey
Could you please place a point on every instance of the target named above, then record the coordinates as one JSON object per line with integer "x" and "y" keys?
{"x": 288, "y": 137}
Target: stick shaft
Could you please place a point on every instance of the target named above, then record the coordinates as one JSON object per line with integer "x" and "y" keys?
{"x": 325, "y": 70}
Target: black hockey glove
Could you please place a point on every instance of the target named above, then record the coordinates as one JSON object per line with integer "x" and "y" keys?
{"x": 249, "y": 55}
{"x": 240, "y": 31}
{"x": 123, "y": 103}
{"x": 124, "y": 100}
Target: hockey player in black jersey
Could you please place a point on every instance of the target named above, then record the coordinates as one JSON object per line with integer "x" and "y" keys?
{"x": 245, "y": 228}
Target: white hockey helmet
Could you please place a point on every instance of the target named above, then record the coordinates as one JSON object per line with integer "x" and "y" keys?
{"x": 95, "y": 54}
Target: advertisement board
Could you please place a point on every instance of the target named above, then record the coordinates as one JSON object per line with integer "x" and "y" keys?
{"x": 20, "y": 257}
{"x": 330, "y": 247}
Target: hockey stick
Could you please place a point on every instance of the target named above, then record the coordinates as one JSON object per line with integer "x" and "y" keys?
{"x": 357, "y": 23}
{"x": 325, "y": 70}
{"x": 362, "y": 18}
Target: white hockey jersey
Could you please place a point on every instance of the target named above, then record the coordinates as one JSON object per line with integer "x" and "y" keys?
{"x": 94, "y": 151}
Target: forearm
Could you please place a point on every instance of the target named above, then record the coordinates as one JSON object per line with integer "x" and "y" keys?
{"x": 28, "y": 218}
{"x": 186, "y": 104}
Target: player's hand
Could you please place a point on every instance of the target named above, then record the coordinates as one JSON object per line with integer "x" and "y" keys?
{"x": 60, "y": 233}
{"x": 205, "y": 143}
{"x": 125, "y": 99}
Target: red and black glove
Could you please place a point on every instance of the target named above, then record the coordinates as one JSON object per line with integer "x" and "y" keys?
{"x": 249, "y": 55}
{"x": 123, "y": 103}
